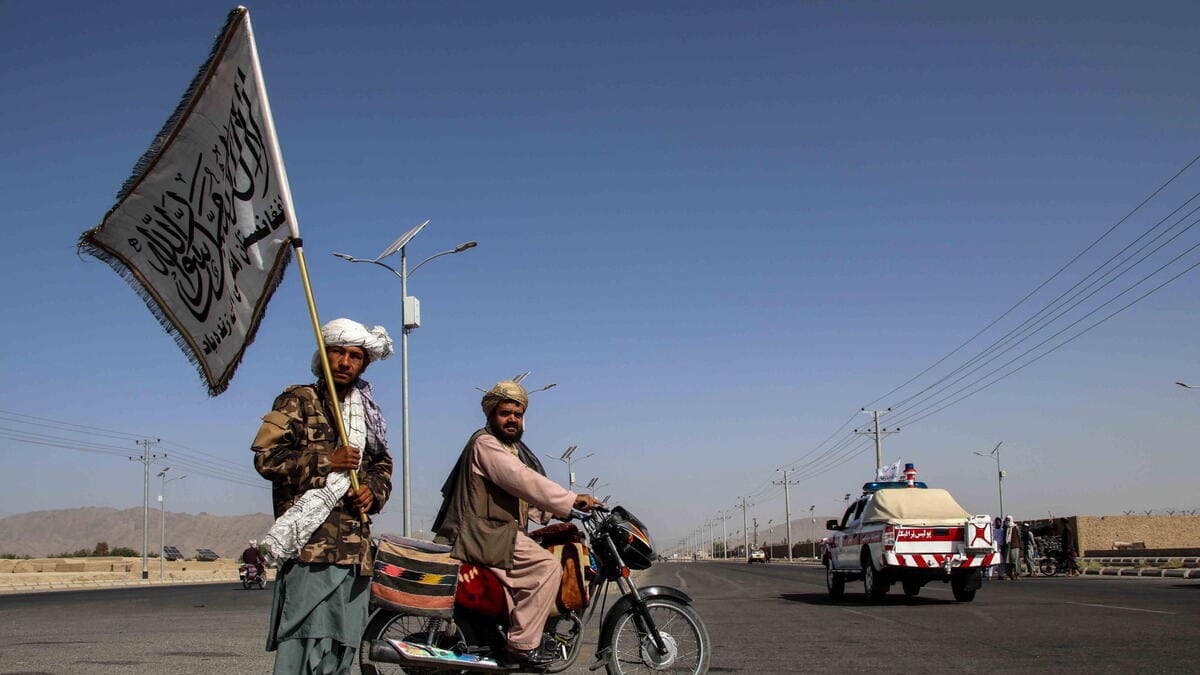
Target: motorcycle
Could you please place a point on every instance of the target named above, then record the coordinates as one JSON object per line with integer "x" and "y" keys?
{"x": 647, "y": 629}
{"x": 250, "y": 575}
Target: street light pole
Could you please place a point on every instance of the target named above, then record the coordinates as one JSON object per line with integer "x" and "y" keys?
{"x": 401, "y": 245}
{"x": 995, "y": 454}
{"x": 404, "y": 386}
{"x": 568, "y": 458}
{"x": 725, "y": 534}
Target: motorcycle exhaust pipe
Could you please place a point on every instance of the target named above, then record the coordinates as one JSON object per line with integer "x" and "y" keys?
{"x": 411, "y": 654}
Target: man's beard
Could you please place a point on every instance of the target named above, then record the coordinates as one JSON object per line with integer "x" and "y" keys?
{"x": 507, "y": 438}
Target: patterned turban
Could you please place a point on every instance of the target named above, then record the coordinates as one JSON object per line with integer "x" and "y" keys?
{"x": 505, "y": 390}
{"x": 346, "y": 333}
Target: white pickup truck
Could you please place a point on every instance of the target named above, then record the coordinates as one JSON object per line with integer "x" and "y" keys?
{"x": 912, "y": 534}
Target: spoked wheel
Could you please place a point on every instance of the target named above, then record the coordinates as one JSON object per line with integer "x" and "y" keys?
{"x": 633, "y": 650}
{"x": 401, "y": 627}
{"x": 1048, "y": 567}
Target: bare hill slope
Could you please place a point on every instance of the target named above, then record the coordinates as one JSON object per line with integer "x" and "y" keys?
{"x": 41, "y": 533}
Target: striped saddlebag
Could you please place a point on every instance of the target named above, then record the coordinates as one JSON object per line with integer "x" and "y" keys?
{"x": 414, "y": 576}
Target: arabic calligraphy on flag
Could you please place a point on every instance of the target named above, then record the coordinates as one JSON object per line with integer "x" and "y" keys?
{"x": 201, "y": 228}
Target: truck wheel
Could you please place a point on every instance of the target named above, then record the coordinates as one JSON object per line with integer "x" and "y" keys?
{"x": 912, "y": 587}
{"x": 874, "y": 583}
{"x": 958, "y": 584}
{"x": 834, "y": 583}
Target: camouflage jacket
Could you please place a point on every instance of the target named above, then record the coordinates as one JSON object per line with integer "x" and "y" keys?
{"x": 292, "y": 450}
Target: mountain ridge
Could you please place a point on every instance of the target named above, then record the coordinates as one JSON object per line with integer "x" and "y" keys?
{"x": 46, "y": 533}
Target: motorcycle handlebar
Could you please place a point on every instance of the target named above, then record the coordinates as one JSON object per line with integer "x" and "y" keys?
{"x": 576, "y": 514}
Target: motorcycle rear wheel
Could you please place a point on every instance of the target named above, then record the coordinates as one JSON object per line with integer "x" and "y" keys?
{"x": 406, "y": 627}
{"x": 632, "y": 650}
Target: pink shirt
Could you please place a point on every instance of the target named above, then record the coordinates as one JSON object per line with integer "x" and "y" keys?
{"x": 496, "y": 463}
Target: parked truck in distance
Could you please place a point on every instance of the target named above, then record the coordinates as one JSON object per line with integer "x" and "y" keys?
{"x": 905, "y": 532}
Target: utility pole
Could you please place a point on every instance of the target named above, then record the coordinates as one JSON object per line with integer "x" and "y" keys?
{"x": 724, "y": 535}
{"x": 708, "y": 523}
{"x": 146, "y": 459}
{"x": 755, "y": 519}
{"x": 787, "y": 509}
{"x": 162, "y": 521}
{"x": 878, "y": 434}
{"x": 745, "y": 529}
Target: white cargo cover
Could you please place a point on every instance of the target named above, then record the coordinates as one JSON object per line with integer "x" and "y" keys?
{"x": 914, "y": 506}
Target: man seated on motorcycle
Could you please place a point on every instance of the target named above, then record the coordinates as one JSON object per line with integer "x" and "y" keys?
{"x": 496, "y": 487}
{"x": 251, "y": 556}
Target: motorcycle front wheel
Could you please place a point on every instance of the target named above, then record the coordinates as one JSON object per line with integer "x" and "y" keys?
{"x": 633, "y": 650}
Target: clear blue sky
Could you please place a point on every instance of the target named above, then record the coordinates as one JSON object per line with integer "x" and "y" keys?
{"x": 720, "y": 228}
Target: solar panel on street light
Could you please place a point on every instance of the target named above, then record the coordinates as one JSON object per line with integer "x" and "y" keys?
{"x": 399, "y": 243}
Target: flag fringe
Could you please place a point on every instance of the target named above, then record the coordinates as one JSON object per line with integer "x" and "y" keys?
{"x": 216, "y": 385}
{"x": 163, "y": 138}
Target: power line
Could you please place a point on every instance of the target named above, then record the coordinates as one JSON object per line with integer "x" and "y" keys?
{"x": 1077, "y": 321}
{"x": 1042, "y": 285}
{"x": 1075, "y": 299}
{"x": 227, "y": 471}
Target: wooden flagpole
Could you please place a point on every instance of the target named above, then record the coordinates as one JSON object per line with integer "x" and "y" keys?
{"x": 298, "y": 244}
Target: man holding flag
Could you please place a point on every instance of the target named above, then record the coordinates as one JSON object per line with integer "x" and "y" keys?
{"x": 203, "y": 230}
{"x": 322, "y": 591}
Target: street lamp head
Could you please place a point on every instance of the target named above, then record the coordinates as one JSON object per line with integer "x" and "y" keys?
{"x": 344, "y": 256}
{"x": 549, "y": 386}
{"x": 1185, "y": 385}
{"x": 465, "y": 245}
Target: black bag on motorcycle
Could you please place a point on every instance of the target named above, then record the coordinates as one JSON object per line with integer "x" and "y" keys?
{"x": 414, "y": 576}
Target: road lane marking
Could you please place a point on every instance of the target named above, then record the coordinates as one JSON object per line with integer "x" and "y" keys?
{"x": 1131, "y": 609}
{"x": 681, "y": 581}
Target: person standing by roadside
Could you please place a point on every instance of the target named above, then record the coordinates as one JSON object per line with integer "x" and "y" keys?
{"x": 1029, "y": 550}
{"x": 322, "y": 587}
{"x": 1012, "y": 548}
{"x": 997, "y": 571}
{"x": 1069, "y": 550}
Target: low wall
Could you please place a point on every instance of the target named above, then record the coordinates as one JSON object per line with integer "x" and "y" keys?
{"x": 39, "y": 571}
{"x": 1105, "y": 533}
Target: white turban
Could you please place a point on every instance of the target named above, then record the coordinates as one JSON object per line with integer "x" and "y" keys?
{"x": 346, "y": 333}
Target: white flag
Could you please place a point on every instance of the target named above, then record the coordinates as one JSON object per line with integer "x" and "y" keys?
{"x": 201, "y": 228}
{"x": 890, "y": 473}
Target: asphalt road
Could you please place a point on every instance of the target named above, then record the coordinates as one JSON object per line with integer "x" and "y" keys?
{"x": 765, "y": 618}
